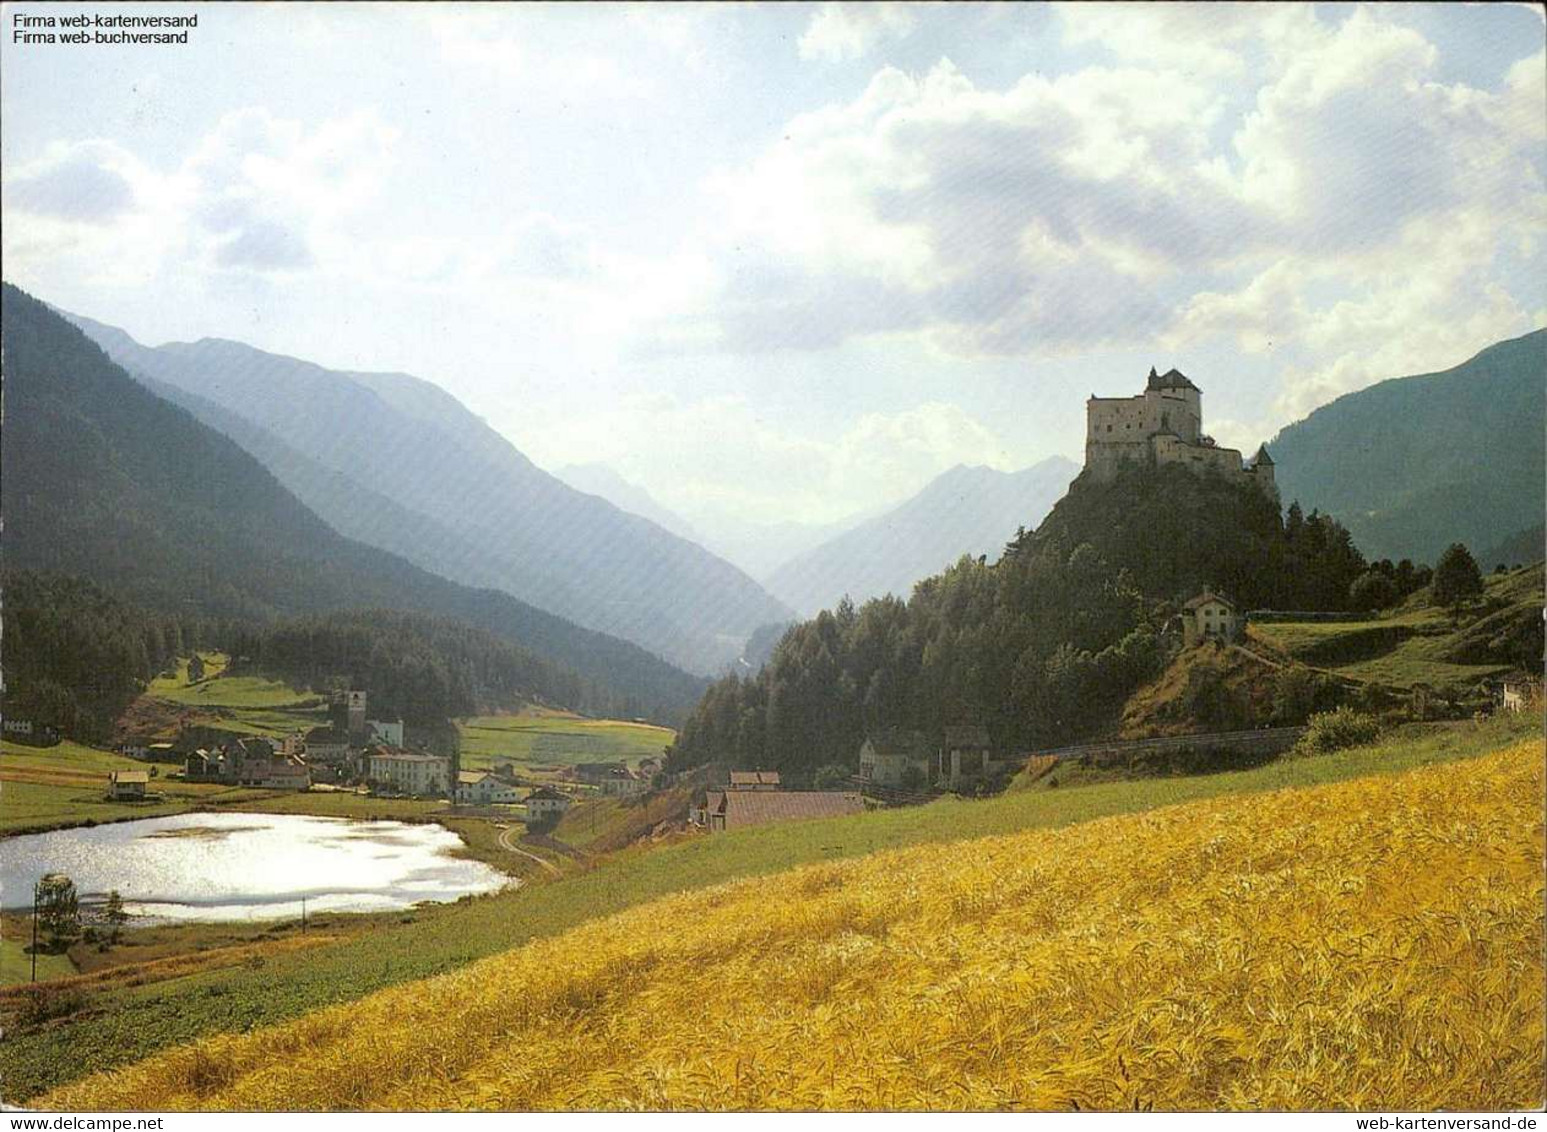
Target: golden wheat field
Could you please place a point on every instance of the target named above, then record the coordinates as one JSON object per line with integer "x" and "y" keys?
{"x": 1371, "y": 944}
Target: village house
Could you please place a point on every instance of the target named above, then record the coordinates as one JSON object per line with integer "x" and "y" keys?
{"x": 1210, "y": 617}
{"x": 326, "y": 745}
{"x": 30, "y": 732}
{"x": 480, "y": 788}
{"x": 128, "y": 785}
{"x": 742, "y": 809}
{"x": 893, "y": 755}
{"x": 965, "y": 756}
{"x": 612, "y": 779}
{"x": 754, "y": 780}
{"x": 546, "y": 804}
{"x": 408, "y": 772}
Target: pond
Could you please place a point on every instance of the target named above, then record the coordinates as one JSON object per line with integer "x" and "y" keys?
{"x": 235, "y": 866}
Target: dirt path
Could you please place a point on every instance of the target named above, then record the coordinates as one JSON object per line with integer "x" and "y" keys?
{"x": 508, "y": 844}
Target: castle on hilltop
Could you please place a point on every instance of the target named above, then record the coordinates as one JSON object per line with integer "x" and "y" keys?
{"x": 1163, "y": 425}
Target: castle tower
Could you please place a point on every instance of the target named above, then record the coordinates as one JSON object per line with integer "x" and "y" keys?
{"x": 1175, "y": 404}
{"x": 1262, "y": 471}
{"x": 356, "y": 707}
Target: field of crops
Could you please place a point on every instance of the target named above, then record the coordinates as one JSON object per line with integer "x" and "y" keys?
{"x": 1372, "y": 943}
{"x": 541, "y": 739}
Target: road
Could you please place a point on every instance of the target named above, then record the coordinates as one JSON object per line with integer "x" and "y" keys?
{"x": 508, "y": 844}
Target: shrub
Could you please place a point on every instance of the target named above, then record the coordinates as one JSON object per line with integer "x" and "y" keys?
{"x": 1329, "y": 731}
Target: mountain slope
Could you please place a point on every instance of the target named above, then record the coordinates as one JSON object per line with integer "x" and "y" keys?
{"x": 600, "y": 480}
{"x": 1518, "y": 549}
{"x": 973, "y": 511}
{"x": 106, "y": 480}
{"x": 1415, "y": 463}
{"x": 370, "y": 439}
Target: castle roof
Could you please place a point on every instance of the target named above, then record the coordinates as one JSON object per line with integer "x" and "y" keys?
{"x": 1262, "y": 456}
{"x": 1172, "y": 379}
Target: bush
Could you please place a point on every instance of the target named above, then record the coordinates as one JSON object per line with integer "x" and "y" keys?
{"x": 45, "y": 1003}
{"x": 1329, "y": 731}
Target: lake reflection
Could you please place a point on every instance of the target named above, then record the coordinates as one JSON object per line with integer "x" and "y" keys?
{"x": 248, "y": 866}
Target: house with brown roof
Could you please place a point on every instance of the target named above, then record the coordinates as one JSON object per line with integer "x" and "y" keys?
{"x": 128, "y": 785}
{"x": 742, "y": 809}
{"x": 754, "y": 780}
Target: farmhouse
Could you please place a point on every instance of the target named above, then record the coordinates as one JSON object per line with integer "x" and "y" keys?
{"x": 612, "y": 779}
{"x": 754, "y": 780}
{"x": 741, "y": 809}
{"x": 128, "y": 785}
{"x": 30, "y": 732}
{"x": 408, "y": 772}
{"x": 1164, "y": 425}
{"x": 1210, "y": 616}
{"x": 479, "y": 787}
{"x": 546, "y": 804}
{"x": 896, "y": 757}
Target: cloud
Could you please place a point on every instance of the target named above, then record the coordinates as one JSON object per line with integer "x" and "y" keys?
{"x": 82, "y": 182}
{"x": 725, "y": 457}
{"x": 842, "y": 31}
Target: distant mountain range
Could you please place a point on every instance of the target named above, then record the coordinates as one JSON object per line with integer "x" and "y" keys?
{"x": 966, "y": 510}
{"x": 103, "y": 479}
{"x": 1415, "y": 463}
{"x": 400, "y": 464}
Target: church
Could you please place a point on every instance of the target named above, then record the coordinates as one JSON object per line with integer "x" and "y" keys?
{"x": 1163, "y": 425}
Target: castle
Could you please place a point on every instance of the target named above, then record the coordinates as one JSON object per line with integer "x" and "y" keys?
{"x": 1163, "y": 425}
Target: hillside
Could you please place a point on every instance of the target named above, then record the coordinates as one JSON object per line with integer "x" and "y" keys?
{"x": 1415, "y": 463}
{"x": 397, "y": 462}
{"x": 1040, "y": 648}
{"x": 973, "y": 511}
{"x": 1231, "y": 954}
{"x": 105, "y": 480}
{"x": 602, "y": 481}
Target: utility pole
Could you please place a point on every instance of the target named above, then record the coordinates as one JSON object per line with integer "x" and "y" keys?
{"x": 34, "y": 933}
{"x": 303, "y": 915}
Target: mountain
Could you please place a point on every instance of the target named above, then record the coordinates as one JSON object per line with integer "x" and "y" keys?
{"x": 602, "y": 481}
{"x": 973, "y": 511}
{"x": 105, "y": 480}
{"x": 400, "y": 464}
{"x": 1415, "y": 463}
{"x": 1520, "y": 549}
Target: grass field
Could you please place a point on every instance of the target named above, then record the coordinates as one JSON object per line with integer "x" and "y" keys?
{"x": 1411, "y": 645}
{"x": 1365, "y": 944}
{"x": 16, "y": 963}
{"x": 126, "y": 1025}
{"x": 50, "y": 787}
{"x": 540, "y": 739}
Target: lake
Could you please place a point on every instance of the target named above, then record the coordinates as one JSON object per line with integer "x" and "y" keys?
{"x": 235, "y": 866}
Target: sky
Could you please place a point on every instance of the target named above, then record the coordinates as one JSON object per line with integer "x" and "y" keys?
{"x": 793, "y": 261}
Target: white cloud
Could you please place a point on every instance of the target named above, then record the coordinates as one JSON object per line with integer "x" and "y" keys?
{"x": 841, "y": 31}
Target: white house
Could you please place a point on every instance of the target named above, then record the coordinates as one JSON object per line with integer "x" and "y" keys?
{"x": 408, "y": 772}
{"x": 1210, "y": 617}
{"x": 480, "y": 788}
{"x": 546, "y": 804}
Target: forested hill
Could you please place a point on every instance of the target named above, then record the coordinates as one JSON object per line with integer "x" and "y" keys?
{"x": 1416, "y": 463}
{"x": 1041, "y": 647}
{"x": 387, "y": 457}
{"x": 105, "y": 480}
